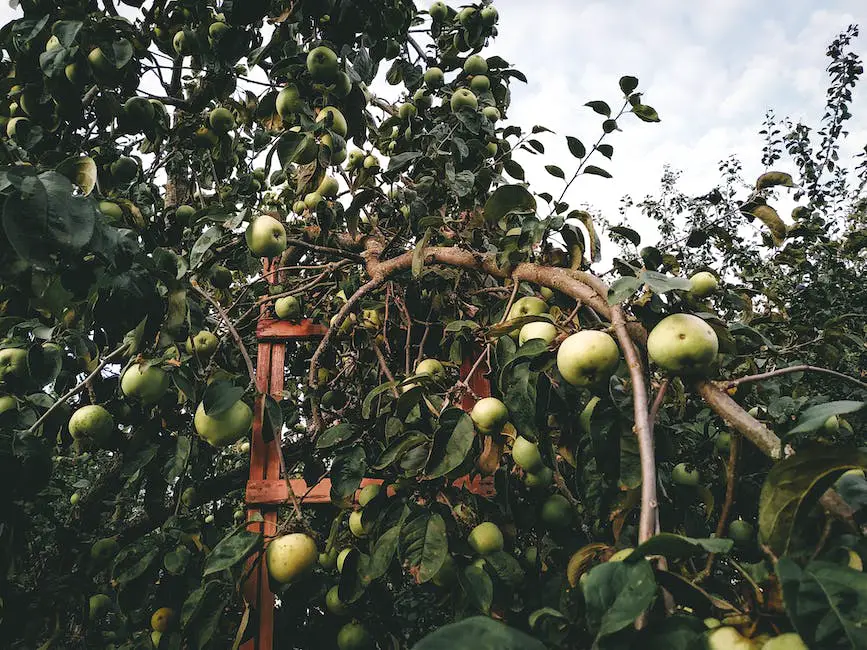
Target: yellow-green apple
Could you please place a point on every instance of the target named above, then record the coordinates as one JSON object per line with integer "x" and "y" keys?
{"x": 266, "y": 237}
{"x": 224, "y": 428}
{"x": 587, "y": 357}
{"x": 683, "y": 344}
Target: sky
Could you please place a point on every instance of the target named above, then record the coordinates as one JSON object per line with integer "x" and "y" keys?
{"x": 710, "y": 68}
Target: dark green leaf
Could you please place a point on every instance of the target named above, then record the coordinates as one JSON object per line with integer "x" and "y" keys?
{"x": 335, "y": 435}
{"x": 508, "y": 199}
{"x": 659, "y": 283}
{"x": 596, "y": 171}
{"x": 175, "y": 467}
{"x": 606, "y": 150}
{"x": 203, "y": 244}
{"x": 576, "y": 148}
{"x": 677, "y": 547}
{"x": 645, "y": 113}
{"x": 814, "y": 417}
{"x": 220, "y": 396}
{"x": 513, "y": 169}
{"x": 176, "y": 561}
{"x": 397, "y": 447}
{"x": 477, "y": 585}
{"x": 453, "y": 441}
{"x": 628, "y": 84}
{"x": 347, "y": 471}
{"x": 600, "y": 107}
{"x": 555, "y": 171}
{"x": 627, "y": 233}
{"x": 478, "y": 633}
{"x": 231, "y": 550}
{"x": 616, "y": 594}
{"x": 425, "y": 545}
{"x": 402, "y": 161}
{"x": 382, "y": 555}
{"x": 622, "y": 288}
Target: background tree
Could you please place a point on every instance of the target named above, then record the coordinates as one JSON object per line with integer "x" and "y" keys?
{"x": 661, "y": 442}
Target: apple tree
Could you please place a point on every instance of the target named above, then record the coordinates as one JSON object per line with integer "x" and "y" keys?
{"x": 671, "y": 449}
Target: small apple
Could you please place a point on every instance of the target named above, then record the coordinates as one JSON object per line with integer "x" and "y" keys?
{"x": 447, "y": 573}
{"x": 434, "y": 77}
{"x": 184, "y": 214}
{"x": 463, "y": 98}
{"x": 342, "y": 85}
{"x": 13, "y": 364}
{"x": 322, "y": 63}
{"x": 221, "y": 120}
{"x": 334, "y": 118}
{"x": 354, "y": 636}
{"x": 527, "y": 306}
{"x": 407, "y": 111}
{"x": 288, "y": 308}
{"x": 728, "y": 638}
{"x": 97, "y": 606}
{"x": 480, "y": 84}
{"x": 475, "y": 64}
{"x": 539, "y": 479}
{"x": 723, "y": 442}
{"x": 333, "y": 603}
{"x": 371, "y": 162}
{"x": 683, "y": 344}
{"x": 328, "y": 187}
{"x": 432, "y": 368}
{"x": 486, "y": 538}
{"x": 266, "y": 237}
{"x": 103, "y": 550}
{"x": 221, "y": 277}
{"x": 587, "y": 358}
{"x": 741, "y": 531}
{"x": 371, "y": 319}
{"x": 216, "y": 32}
{"x": 289, "y": 102}
{"x": 162, "y": 619}
{"x": 787, "y": 641}
{"x": 466, "y": 17}
{"x": 299, "y": 207}
{"x": 421, "y": 99}
{"x": 341, "y": 558}
{"x": 703, "y": 284}
{"x": 209, "y": 519}
{"x": 124, "y": 170}
{"x": 190, "y": 497}
{"x": 7, "y": 403}
{"x": 489, "y": 415}
{"x": 289, "y": 557}
{"x": 490, "y": 15}
{"x": 682, "y": 475}
{"x": 538, "y": 330}
{"x": 557, "y": 513}
{"x": 831, "y": 425}
{"x": 226, "y": 427}
{"x": 184, "y": 43}
{"x": 99, "y": 63}
{"x": 75, "y": 498}
{"x": 91, "y": 424}
{"x": 203, "y": 345}
{"x": 526, "y": 454}
{"x": 356, "y": 525}
{"x": 146, "y": 385}
{"x": 140, "y": 110}
{"x": 368, "y": 493}
{"x": 546, "y": 293}
{"x": 491, "y": 112}
{"x": 438, "y": 11}
{"x": 356, "y": 159}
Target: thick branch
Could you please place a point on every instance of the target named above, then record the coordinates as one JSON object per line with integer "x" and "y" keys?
{"x": 729, "y": 410}
{"x": 784, "y": 371}
{"x": 643, "y": 427}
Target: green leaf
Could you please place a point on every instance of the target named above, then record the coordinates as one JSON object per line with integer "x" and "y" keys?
{"x": 66, "y": 31}
{"x": 509, "y": 199}
{"x": 347, "y": 471}
{"x": 458, "y": 325}
{"x": 425, "y": 545}
{"x": 220, "y": 396}
{"x": 135, "y": 563}
{"x": 627, "y": 233}
{"x": 519, "y": 393}
{"x": 596, "y": 171}
{"x": 586, "y": 220}
{"x": 477, "y": 585}
{"x": 453, "y": 441}
{"x": 628, "y": 84}
{"x": 335, "y": 435}
{"x": 576, "y": 147}
{"x": 397, "y": 447}
{"x": 826, "y": 602}
{"x": 401, "y": 161}
{"x": 794, "y": 484}
{"x": 678, "y": 547}
{"x": 367, "y": 404}
{"x": 600, "y": 107}
{"x": 814, "y": 417}
{"x": 207, "y": 239}
{"x": 231, "y": 550}
{"x": 478, "y": 633}
{"x": 418, "y": 253}
{"x": 555, "y": 171}
{"x": 676, "y": 632}
{"x": 623, "y": 288}
{"x": 176, "y": 561}
{"x": 513, "y": 169}
{"x": 506, "y": 568}
{"x": 382, "y": 555}
{"x": 770, "y": 179}
{"x": 659, "y": 283}
{"x": 616, "y": 594}
{"x": 175, "y": 467}
{"x": 645, "y": 113}
{"x": 195, "y": 601}
{"x": 606, "y": 150}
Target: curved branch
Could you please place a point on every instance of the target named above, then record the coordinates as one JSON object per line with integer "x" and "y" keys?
{"x": 642, "y": 428}
{"x": 784, "y": 371}
{"x": 736, "y": 417}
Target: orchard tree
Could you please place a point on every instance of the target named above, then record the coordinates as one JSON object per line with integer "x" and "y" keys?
{"x": 673, "y": 448}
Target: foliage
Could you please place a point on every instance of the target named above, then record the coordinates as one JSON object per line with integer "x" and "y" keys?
{"x": 124, "y": 233}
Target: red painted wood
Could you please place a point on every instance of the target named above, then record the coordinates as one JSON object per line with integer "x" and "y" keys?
{"x": 283, "y": 330}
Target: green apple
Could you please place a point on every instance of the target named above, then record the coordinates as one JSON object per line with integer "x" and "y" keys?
{"x": 371, "y": 162}
{"x": 14, "y": 124}
{"x": 682, "y": 475}
{"x": 216, "y": 32}
{"x": 463, "y": 98}
{"x": 184, "y": 214}
{"x": 124, "y": 170}
{"x": 205, "y": 138}
{"x": 407, "y": 111}
{"x": 539, "y": 479}
{"x": 76, "y": 73}
{"x": 537, "y": 330}
{"x": 111, "y": 210}
{"x": 491, "y": 112}
{"x": 146, "y": 385}
{"x": 557, "y": 513}
{"x": 322, "y": 63}
{"x": 434, "y": 77}
{"x": 184, "y": 43}
{"x": 728, "y": 638}
{"x": 356, "y": 525}
{"x": 371, "y": 319}
{"x": 438, "y": 11}
{"x": 465, "y": 16}
{"x": 91, "y": 424}
{"x": 354, "y": 636}
{"x": 526, "y": 454}
{"x": 209, "y": 519}
{"x": 345, "y": 326}
{"x": 587, "y": 358}
{"x": 341, "y": 558}
{"x": 333, "y": 603}
{"x": 53, "y": 44}
{"x": 225, "y": 428}
{"x": 328, "y": 187}
{"x": 787, "y": 641}
{"x": 289, "y": 102}
{"x": 356, "y": 159}
{"x": 368, "y": 493}
{"x": 741, "y": 531}
{"x": 703, "y": 284}
{"x": 98, "y": 605}
{"x": 342, "y": 84}
{"x": 74, "y": 499}
{"x": 447, "y": 573}
{"x": 299, "y": 207}
{"x": 489, "y": 415}
{"x": 432, "y": 368}
{"x": 288, "y": 308}
{"x": 289, "y": 557}
{"x": 490, "y": 15}
{"x": 480, "y": 83}
{"x": 221, "y": 120}
{"x": 266, "y": 237}
{"x": 335, "y": 118}
{"x": 328, "y": 560}
{"x": 527, "y": 306}
{"x": 203, "y": 344}
{"x": 421, "y": 99}
{"x": 140, "y": 110}
{"x": 99, "y": 63}
{"x": 475, "y": 64}
{"x": 7, "y": 403}
{"x": 683, "y": 344}
{"x": 104, "y": 550}
{"x": 13, "y": 364}
{"x": 486, "y": 538}
{"x": 831, "y": 425}
{"x": 723, "y": 442}
{"x": 312, "y": 199}
{"x": 190, "y": 497}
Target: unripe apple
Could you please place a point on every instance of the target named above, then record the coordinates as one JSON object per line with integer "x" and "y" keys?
{"x": 489, "y": 415}
{"x": 527, "y": 306}
{"x": 463, "y": 98}
{"x": 787, "y": 641}
{"x": 98, "y": 605}
{"x": 538, "y": 330}
{"x": 434, "y": 77}
{"x": 368, "y": 493}
{"x": 140, "y": 110}
{"x": 703, "y": 284}
{"x": 491, "y": 112}
{"x": 406, "y": 111}
{"x": 356, "y": 159}
{"x": 266, "y": 237}
{"x": 333, "y": 603}
{"x": 289, "y": 102}
{"x": 682, "y": 475}
{"x": 475, "y": 64}
{"x": 221, "y": 120}
{"x": 335, "y": 118}
{"x": 146, "y": 385}
{"x": 728, "y": 638}
{"x": 13, "y": 364}
{"x": 741, "y": 531}
{"x": 539, "y": 479}
{"x": 371, "y": 162}
{"x": 322, "y": 63}
{"x": 290, "y": 556}
{"x": 438, "y": 11}
{"x": 480, "y": 83}
{"x": 486, "y": 538}
{"x": 288, "y": 308}
{"x": 587, "y": 358}
{"x": 224, "y": 428}
{"x": 556, "y": 513}
{"x": 370, "y": 319}
{"x": 431, "y": 367}
{"x": 328, "y": 187}
{"x": 162, "y": 619}
{"x": 526, "y": 454}
{"x": 356, "y": 525}
{"x": 354, "y": 636}
{"x": 683, "y": 344}
{"x": 490, "y": 15}
{"x": 91, "y": 424}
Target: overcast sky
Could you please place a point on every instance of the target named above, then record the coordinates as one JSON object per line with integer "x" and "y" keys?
{"x": 711, "y": 68}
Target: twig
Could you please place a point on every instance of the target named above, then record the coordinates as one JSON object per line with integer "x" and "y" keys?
{"x": 78, "y": 387}
{"x": 731, "y": 478}
{"x": 642, "y": 428}
{"x": 383, "y": 365}
{"x": 225, "y": 318}
{"x": 658, "y": 400}
{"x": 327, "y": 250}
{"x": 424, "y": 334}
{"x": 408, "y": 345}
{"x": 784, "y": 371}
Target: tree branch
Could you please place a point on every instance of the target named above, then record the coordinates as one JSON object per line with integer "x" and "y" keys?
{"x": 731, "y": 477}
{"x": 784, "y": 371}
{"x": 383, "y": 365}
{"x": 736, "y": 417}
